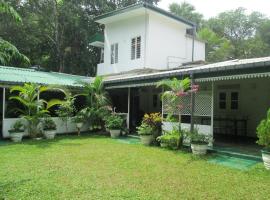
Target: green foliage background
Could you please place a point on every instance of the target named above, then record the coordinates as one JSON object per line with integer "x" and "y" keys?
{"x": 54, "y": 34}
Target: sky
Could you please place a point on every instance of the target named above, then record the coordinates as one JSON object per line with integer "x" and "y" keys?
{"x": 211, "y": 8}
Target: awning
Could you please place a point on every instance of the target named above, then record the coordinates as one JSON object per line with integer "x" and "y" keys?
{"x": 235, "y": 77}
{"x": 97, "y": 40}
{"x": 199, "y": 80}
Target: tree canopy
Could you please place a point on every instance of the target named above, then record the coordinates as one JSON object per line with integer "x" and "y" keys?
{"x": 54, "y": 34}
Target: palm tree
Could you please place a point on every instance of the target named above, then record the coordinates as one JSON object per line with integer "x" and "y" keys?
{"x": 34, "y": 107}
{"x": 175, "y": 91}
{"x": 9, "y": 52}
{"x": 98, "y": 102}
{"x": 95, "y": 93}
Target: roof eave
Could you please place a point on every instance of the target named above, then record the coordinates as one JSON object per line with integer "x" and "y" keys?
{"x": 147, "y": 6}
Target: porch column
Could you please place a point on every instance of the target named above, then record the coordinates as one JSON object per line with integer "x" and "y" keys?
{"x": 212, "y": 110}
{"x": 3, "y": 109}
{"x": 192, "y": 101}
{"x": 128, "y": 115}
{"x": 162, "y": 106}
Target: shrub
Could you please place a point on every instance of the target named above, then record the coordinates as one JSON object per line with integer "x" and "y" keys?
{"x": 114, "y": 122}
{"x": 17, "y": 127}
{"x": 198, "y": 138}
{"x": 48, "y": 124}
{"x": 263, "y": 132}
{"x": 80, "y": 117}
{"x": 153, "y": 119}
{"x": 145, "y": 129}
{"x": 171, "y": 138}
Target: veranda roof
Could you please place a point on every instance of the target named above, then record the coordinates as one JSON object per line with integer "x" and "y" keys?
{"x": 13, "y": 76}
{"x": 228, "y": 70}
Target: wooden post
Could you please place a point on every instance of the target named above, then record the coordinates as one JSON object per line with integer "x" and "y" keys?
{"x": 128, "y": 115}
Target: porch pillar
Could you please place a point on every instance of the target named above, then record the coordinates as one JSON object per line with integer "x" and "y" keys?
{"x": 162, "y": 106}
{"x": 128, "y": 115}
{"x": 4, "y": 108}
{"x": 192, "y": 101}
{"x": 212, "y": 110}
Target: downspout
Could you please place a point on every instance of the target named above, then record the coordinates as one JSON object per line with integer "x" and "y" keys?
{"x": 145, "y": 34}
{"x": 193, "y": 42}
{"x": 192, "y": 83}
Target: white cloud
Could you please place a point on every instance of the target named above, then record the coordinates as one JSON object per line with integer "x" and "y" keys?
{"x": 210, "y": 8}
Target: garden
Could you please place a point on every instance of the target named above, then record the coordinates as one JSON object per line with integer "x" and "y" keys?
{"x": 40, "y": 164}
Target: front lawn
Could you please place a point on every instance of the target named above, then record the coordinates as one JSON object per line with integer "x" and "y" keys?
{"x": 102, "y": 168}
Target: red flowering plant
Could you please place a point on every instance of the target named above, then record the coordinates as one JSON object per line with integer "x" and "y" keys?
{"x": 175, "y": 92}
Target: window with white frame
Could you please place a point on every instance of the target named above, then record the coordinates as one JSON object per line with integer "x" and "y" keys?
{"x": 136, "y": 48}
{"x": 114, "y": 53}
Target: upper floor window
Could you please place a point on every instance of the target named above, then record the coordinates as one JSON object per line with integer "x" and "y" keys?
{"x": 114, "y": 53}
{"x": 136, "y": 48}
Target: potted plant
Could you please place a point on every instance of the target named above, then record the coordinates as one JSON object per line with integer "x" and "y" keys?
{"x": 79, "y": 119}
{"x": 199, "y": 143}
{"x": 17, "y": 131}
{"x": 164, "y": 140}
{"x": 49, "y": 128}
{"x": 155, "y": 121}
{"x": 170, "y": 138}
{"x": 114, "y": 124}
{"x": 263, "y": 133}
{"x": 146, "y": 133}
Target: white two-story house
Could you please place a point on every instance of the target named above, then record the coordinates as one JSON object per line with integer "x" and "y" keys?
{"x": 143, "y": 44}
{"x": 143, "y": 36}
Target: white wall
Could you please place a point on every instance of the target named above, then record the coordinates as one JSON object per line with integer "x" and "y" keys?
{"x": 161, "y": 36}
{"x": 167, "y": 38}
{"x": 122, "y": 32}
{"x": 62, "y": 127}
{"x": 254, "y": 101}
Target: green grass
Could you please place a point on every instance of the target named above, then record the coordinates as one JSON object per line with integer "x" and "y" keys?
{"x": 91, "y": 167}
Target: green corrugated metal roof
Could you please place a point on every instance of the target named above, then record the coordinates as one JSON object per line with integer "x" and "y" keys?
{"x": 13, "y": 75}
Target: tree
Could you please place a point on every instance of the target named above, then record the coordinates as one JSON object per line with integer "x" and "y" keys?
{"x": 34, "y": 107}
{"x": 175, "y": 91}
{"x": 239, "y": 28}
{"x": 187, "y": 11}
{"x": 217, "y": 48}
{"x": 8, "y": 52}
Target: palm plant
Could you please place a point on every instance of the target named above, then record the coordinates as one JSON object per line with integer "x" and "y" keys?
{"x": 98, "y": 103}
{"x": 34, "y": 107}
{"x": 8, "y": 52}
{"x": 175, "y": 91}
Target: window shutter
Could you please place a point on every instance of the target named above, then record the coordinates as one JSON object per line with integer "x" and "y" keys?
{"x": 133, "y": 48}
{"x": 138, "y": 53}
{"x": 112, "y": 54}
{"x": 116, "y": 53}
